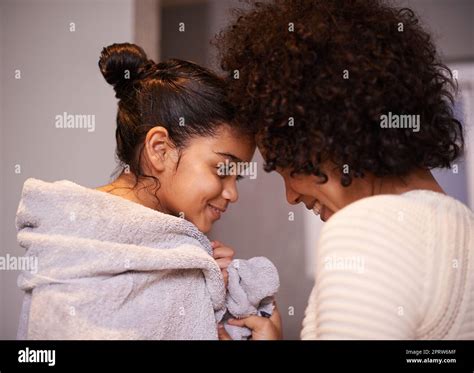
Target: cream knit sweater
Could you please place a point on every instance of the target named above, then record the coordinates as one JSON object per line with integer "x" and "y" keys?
{"x": 395, "y": 267}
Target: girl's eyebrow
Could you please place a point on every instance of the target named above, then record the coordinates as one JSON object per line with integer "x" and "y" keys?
{"x": 231, "y": 156}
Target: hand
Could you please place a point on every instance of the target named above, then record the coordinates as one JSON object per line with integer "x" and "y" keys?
{"x": 262, "y": 328}
{"x": 223, "y": 256}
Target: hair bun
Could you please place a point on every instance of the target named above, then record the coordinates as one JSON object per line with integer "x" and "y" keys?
{"x": 120, "y": 64}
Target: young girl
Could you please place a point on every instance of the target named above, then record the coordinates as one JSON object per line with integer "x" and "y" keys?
{"x": 130, "y": 260}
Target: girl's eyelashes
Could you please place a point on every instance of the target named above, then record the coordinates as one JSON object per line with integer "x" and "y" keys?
{"x": 223, "y": 172}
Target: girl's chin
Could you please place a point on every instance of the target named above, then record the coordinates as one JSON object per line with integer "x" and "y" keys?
{"x": 203, "y": 226}
{"x": 205, "y": 230}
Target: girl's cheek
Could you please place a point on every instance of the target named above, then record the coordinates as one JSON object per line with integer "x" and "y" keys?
{"x": 215, "y": 185}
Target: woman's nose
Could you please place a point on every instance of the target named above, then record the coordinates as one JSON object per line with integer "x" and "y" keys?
{"x": 292, "y": 197}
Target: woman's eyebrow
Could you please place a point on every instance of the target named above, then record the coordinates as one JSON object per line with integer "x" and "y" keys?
{"x": 231, "y": 156}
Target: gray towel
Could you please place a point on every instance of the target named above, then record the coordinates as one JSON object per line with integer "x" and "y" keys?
{"x": 252, "y": 286}
{"x": 109, "y": 268}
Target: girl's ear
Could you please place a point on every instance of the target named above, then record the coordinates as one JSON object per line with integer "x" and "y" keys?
{"x": 158, "y": 147}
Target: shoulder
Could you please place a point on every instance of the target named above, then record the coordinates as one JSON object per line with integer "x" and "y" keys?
{"x": 376, "y": 265}
{"x": 411, "y": 214}
{"x": 370, "y": 262}
{"x": 378, "y": 215}
{"x": 379, "y": 235}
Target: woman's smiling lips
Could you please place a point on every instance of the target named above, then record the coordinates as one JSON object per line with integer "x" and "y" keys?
{"x": 215, "y": 211}
{"x": 321, "y": 210}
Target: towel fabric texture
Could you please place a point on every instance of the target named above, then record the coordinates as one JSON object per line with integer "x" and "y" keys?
{"x": 109, "y": 268}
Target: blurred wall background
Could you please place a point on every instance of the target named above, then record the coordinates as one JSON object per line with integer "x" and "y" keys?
{"x": 59, "y": 74}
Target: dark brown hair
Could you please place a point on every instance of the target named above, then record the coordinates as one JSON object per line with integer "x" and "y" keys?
{"x": 187, "y": 99}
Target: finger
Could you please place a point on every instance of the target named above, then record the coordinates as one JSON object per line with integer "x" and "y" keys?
{"x": 223, "y": 263}
{"x": 223, "y": 252}
{"x": 276, "y": 317}
{"x": 222, "y": 333}
{"x": 215, "y": 244}
{"x": 254, "y": 323}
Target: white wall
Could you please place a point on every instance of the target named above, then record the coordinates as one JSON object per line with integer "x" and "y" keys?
{"x": 450, "y": 24}
{"x": 59, "y": 73}
{"x": 465, "y": 73}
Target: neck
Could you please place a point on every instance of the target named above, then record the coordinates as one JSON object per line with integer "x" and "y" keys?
{"x": 419, "y": 179}
{"x": 125, "y": 186}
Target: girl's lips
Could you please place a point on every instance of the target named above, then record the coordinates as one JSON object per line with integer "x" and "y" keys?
{"x": 215, "y": 212}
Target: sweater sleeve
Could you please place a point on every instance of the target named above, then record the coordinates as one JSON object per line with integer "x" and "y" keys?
{"x": 369, "y": 274}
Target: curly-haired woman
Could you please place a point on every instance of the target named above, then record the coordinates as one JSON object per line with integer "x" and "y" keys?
{"x": 350, "y": 103}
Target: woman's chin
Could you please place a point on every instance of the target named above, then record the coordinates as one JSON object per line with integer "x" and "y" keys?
{"x": 326, "y": 213}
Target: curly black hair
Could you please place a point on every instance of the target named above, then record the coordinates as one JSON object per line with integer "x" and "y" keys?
{"x": 314, "y": 77}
